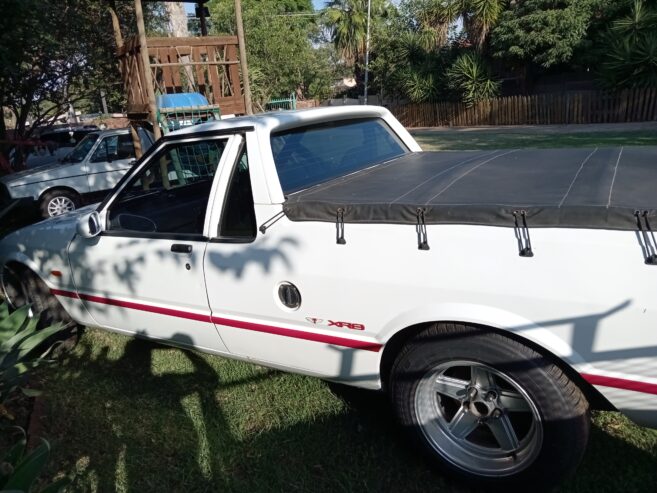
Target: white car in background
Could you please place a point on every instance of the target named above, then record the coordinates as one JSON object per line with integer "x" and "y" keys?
{"x": 54, "y": 145}
{"x": 496, "y": 296}
{"x": 85, "y": 174}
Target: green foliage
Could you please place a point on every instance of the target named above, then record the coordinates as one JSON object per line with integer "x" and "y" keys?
{"x": 21, "y": 348}
{"x": 477, "y": 16}
{"x": 347, "y": 23}
{"x": 470, "y": 77}
{"x": 20, "y": 469}
{"x": 55, "y": 52}
{"x": 546, "y": 32}
{"x": 408, "y": 65}
{"x": 630, "y": 56}
{"x": 280, "y": 43}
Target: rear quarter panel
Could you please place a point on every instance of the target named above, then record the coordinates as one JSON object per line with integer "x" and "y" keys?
{"x": 586, "y": 296}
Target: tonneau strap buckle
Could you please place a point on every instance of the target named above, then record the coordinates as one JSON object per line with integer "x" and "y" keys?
{"x": 646, "y": 238}
{"x": 522, "y": 234}
{"x": 421, "y": 229}
{"x": 339, "y": 227}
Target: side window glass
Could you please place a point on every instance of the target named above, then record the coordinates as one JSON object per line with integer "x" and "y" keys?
{"x": 170, "y": 195}
{"x": 238, "y": 218}
{"x": 125, "y": 148}
{"x": 104, "y": 149}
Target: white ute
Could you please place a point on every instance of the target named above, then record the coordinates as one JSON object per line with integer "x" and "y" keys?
{"x": 496, "y": 297}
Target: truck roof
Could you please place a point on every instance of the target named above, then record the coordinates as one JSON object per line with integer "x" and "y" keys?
{"x": 281, "y": 120}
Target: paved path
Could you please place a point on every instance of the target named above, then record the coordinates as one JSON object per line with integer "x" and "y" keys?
{"x": 544, "y": 129}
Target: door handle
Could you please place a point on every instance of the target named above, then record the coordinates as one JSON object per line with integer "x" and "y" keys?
{"x": 181, "y": 248}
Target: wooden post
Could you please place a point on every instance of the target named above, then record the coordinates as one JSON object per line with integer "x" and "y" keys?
{"x": 148, "y": 76}
{"x": 244, "y": 65}
{"x": 204, "y": 26}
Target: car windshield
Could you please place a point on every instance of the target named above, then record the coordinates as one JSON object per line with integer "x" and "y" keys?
{"x": 82, "y": 149}
{"x": 311, "y": 155}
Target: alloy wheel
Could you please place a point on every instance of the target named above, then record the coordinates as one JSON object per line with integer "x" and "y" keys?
{"x": 60, "y": 205}
{"x": 478, "y": 418}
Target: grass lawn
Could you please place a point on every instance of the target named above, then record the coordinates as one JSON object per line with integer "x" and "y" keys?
{"x": 129, "y": 415}
{"x": 460, "y": 140}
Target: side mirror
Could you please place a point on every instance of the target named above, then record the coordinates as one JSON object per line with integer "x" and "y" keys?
{"x": 89, "y": 225}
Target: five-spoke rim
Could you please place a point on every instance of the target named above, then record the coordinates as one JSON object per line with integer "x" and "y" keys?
{"x": 60, "y": 205}
{"x": 478, "y": 418}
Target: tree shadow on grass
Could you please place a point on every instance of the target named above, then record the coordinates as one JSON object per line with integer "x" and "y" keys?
{"x": 129, "y": 426}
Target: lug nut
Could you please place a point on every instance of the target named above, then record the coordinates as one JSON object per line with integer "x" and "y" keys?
{"x": 491, "y": 396}
{"x": 497, "y": 413}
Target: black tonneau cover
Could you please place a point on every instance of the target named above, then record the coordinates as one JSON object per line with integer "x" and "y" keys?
{"x": 571, "y": 188}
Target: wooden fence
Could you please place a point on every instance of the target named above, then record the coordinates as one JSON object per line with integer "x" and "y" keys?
{"x": 634, "y": 105}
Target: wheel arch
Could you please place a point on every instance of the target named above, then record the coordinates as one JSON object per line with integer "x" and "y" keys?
{"x": 527, "y": 333}
{"x": 17, "y": 262}
{"x": 59, "y": 187}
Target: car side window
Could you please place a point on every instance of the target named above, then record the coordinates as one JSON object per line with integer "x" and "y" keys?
{"x": 238, "y": 219}
{"x": 114, "y": 148}
{"x": 170, "y": 195}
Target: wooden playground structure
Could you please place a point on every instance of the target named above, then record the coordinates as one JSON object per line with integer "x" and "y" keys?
{"x": 212, "y": 66}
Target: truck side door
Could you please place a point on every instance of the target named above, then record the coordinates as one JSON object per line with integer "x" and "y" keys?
{"x": 144, "y": 273}
{"x": 251, "y": 279}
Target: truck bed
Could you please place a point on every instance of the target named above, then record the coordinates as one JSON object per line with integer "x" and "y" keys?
{"x": 602, "y": 188}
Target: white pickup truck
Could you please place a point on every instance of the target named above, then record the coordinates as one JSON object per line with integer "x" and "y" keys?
{"x": 496, "y": 297}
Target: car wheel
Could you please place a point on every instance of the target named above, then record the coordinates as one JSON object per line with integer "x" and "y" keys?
{"x": 58, "y": 202}
{"x": 488, "y": 409}
{"x": 23, "y": 287}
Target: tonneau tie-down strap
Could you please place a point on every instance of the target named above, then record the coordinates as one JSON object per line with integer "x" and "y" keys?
{"x": 522, "y": 234}
{"x": 646, "y": 238}
{"x": 339, "y": 227}
{"x": 421, "y": 228}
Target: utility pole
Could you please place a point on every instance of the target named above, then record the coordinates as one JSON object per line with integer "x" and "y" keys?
{"x": 243, "y": 64}
{"x": 367, "y": 49}
{"x": 201, "y": 8}
{"x": 146, "y": 63}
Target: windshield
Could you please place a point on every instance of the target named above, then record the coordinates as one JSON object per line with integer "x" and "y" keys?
{"x": 82, "y": 149}
{"x": 310, "y": 155}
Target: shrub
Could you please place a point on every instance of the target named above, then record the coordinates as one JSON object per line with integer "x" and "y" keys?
{"x": 23, "y": 347}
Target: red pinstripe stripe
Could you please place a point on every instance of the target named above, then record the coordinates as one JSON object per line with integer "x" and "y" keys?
{"x": 238, "y": 324}
{"x": 297, "y": 334}
{"x": 621, "y": 383}
{"x": 135, "y": 306}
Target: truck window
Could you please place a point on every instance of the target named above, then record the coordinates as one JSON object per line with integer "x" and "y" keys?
{"x": 238, "y": 218}
{"x": 310, "y": 155}
{"x": 170, "y": 195}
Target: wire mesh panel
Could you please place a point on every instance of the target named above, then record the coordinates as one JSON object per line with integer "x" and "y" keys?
{"x": 171, "y": 119}
{"x": 194, "y": 162}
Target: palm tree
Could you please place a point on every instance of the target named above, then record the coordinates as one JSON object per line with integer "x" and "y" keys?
{"x": 472, "y": 80}
{"x": 478, "y": 17}
{"x": 347, "y": 22}
{"x": 630, "y": 50}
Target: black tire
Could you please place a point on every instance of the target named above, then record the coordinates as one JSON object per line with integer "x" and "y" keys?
{"x": 48, "y": 199}
{"x": 556, "y": 407}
